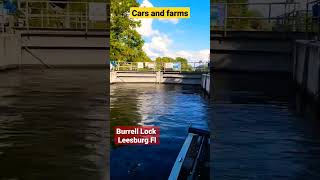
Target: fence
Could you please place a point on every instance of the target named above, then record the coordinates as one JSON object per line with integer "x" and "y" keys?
{"x": 45, "y": 14}
{"x": 196, "y": 66}
{"x": 268, "y": 16}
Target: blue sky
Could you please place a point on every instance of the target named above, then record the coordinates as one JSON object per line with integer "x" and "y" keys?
{"x": 189, "y": 38}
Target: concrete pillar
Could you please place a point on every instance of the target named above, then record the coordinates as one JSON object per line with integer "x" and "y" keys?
{"x": 307, "y": 67}
{"x": 159, "y": 77}
{"x": 113, "y": 77}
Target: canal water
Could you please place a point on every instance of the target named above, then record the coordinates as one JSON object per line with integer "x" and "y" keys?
{"x": 171, "y": 107}
{"x": 53, "y": 124}
{"x": 262, "y": 129}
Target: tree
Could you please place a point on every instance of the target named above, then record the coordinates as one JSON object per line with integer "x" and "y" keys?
{"x": 125, "y": 42}
{"x": 184, "y": 62}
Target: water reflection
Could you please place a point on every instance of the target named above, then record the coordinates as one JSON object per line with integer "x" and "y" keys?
{"x": 53, "y": 124}
{"x": 172, "y": 107}
{"x": 260, "y": 133}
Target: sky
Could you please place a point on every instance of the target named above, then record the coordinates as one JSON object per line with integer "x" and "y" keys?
{"x": 188, "y": 38}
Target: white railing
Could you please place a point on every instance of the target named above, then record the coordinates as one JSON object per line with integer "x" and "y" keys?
{"x": 196, "y": 66}
{"x": 75, "y": 15}
{"x": 269, "y": 15}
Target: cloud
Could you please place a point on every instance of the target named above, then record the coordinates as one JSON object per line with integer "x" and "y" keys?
{"x": 192, "y": 56}
{"x": 159, "y": 44}
{"x": 146, "y": 3}
{"x": 159, "y": 48}
{"x": 146, "y": 24}
{"x": 170, "y": 20}
{"x": 146, "y": 28}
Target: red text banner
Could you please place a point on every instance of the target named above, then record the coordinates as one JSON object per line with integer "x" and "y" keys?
{"x": 140, "y": 135}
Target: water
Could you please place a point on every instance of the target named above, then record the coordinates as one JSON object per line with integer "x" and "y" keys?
{"x": 53, "y": 124}
{"x": 172, "y": 107}
{"x": 262, "y": 129}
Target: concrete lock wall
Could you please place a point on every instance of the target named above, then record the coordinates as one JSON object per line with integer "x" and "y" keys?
{"x": 54, "y": 48}
{"x": 205, "y": 82}
{"x": 307, "y": 66}
{"x": 65, "y": 48}
{"x": 155, "y": 77}
{"x": 252, "y": 51}
{"x": 10, "y": 51}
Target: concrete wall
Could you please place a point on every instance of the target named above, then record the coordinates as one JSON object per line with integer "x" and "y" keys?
{"x": 65, "y": 48}
{"x": 306, "y": 69}
{"x": 54, "y": 48}
{"x": 205, "y": 83}
{"x": 252, "y": 51}
{"x": 10, "y": 51}
{"x": 181, "y": 78}
{"x": 155, "y": 77}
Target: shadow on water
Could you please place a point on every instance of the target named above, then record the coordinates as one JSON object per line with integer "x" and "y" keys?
{"x": 263, "y": 129}
{"x": 53, "y": 124}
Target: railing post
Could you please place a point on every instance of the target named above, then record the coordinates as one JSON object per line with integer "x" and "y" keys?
{"x": 87, "y": 17}
{"x": 68, "y": 15}
{"x": 269, "y": 13}
{"x": 295, "y": 16}
{"x": 41, "y": 16}
{"x": 47, "y": 7}
{"x": 225, "y": 18}
{"x": 3, "y": 18}
{"x": 27, "y": 15}
{"x": 307, "y": 19}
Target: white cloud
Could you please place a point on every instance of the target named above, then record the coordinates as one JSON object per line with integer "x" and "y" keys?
{"x": 146, "y": 24}
{"x": 192, "y": 56}
{"x": 147, "y": 48}
{"x": 170, "y": 20}
{"x": 146, "y": 28}
{"x": 159, "y": 44}
{"x": 146, "y": 3}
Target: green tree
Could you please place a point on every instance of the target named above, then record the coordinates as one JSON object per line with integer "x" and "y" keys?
{"x": 125, "y": 42}
{"x": 184, "y": 62}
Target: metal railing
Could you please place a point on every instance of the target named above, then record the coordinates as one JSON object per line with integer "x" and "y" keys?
{"x": 312, "y": 21}
{"x": 2, "y": 17}
{"x": 195, "y": 66}
{"x": 75, "y": 15}
{"x": 262, "y": 16}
